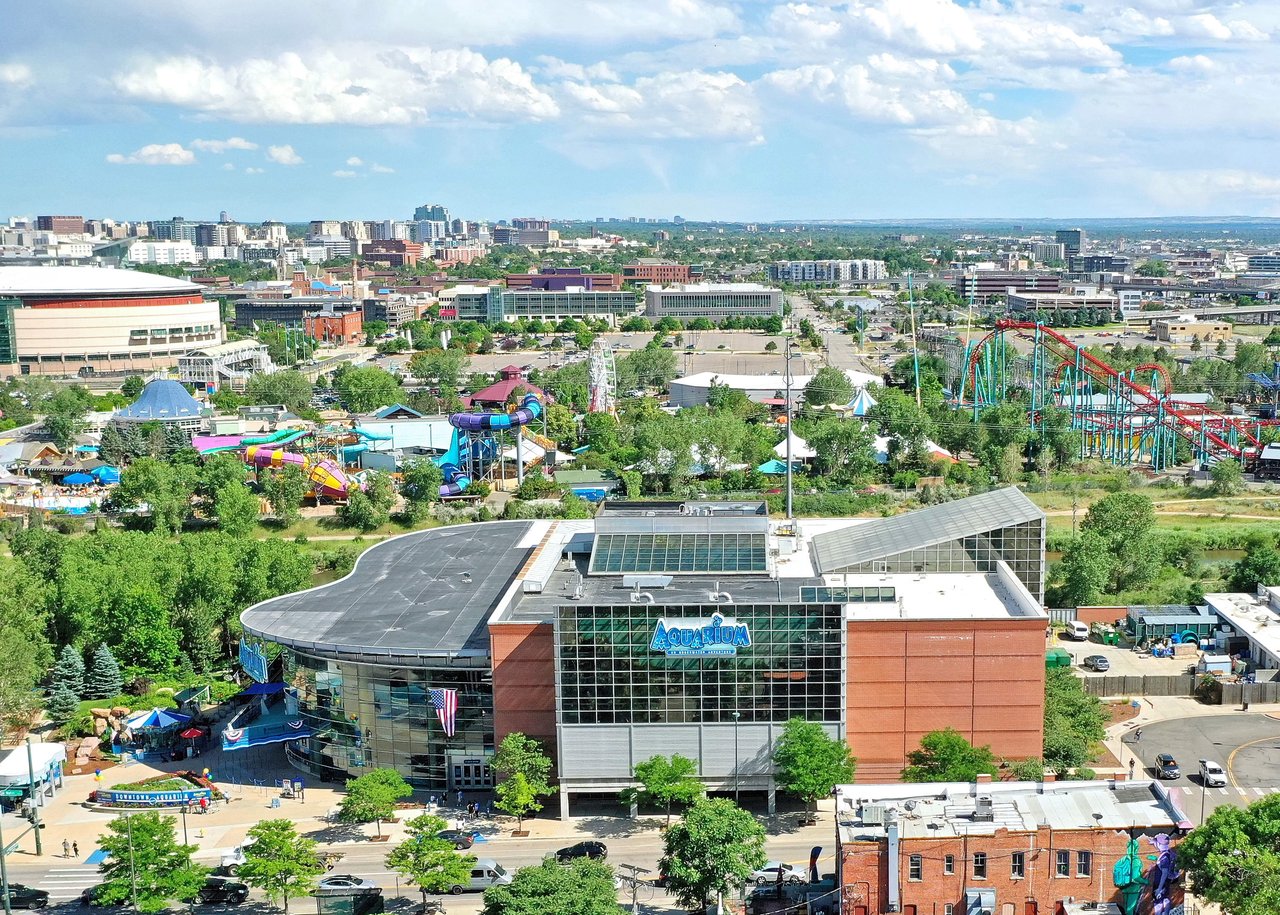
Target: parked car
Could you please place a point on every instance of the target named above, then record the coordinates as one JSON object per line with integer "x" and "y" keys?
{"x": 1077, "y": 631}
{"x": 223, "y": 890}
{"x": 1097, "y": 662}
{"x": 484, "y": 873}
{"x": 1212, "y": 774}
{"x": 459, "y": 839}
{"x": 27, "y": 897}
{"x": 90, "y": 894}
{"x": 344, "y": 885}
{"x": 582, "y": 850}
{"x": 1167, "y": 766}
{"x": 769, "y": 873}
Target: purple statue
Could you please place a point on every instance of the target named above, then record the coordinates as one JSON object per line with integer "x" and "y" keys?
{"x": 1163, "y": 877}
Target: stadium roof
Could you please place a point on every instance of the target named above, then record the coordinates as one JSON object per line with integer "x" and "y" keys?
{"x": 81, "y": 280}
{"x": 161, "y": 400}
{"x": 883, "y": 537}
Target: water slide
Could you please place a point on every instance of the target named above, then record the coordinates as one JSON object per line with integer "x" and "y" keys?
{"x": 455, "y": 479}
{"x": 325, "y": 474}
{"x": 212, "y": 444}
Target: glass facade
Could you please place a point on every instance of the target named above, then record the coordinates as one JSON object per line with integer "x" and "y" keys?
{"x": 1019, "y": 545}
{"x": 674, "y": 553}
{"x": 371, "y": 715}
{"x": 609, "y": 673}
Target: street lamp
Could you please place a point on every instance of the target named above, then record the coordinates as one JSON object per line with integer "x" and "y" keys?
{"x": 736, "y": 716}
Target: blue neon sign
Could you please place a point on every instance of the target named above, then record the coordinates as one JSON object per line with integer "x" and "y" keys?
{"x": 700, "y": 638}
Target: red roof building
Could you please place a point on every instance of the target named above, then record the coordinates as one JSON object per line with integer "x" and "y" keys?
{"x": 498, "y": 393}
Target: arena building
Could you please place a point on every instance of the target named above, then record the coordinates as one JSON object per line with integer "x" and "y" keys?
{"x": 697, "y": 628}
{"x": 62, "y": 320}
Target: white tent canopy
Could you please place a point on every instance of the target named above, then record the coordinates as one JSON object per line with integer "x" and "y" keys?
{"x": 800, "y": 450}
{"x": 44, "y": 756}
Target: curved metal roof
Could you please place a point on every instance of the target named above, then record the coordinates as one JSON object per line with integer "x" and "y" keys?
{"x": 161, "y": 400}
{"x": 20, "y": 281}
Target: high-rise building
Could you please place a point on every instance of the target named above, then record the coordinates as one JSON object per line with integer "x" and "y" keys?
{"x": 1072, "y": 240}
{"x": 536, "y": 225}
{"x": 1048, "y": 252}
{"x": 829, "y": 271}
{"x": 431, "y": 212}
{"x": 176, "y": 229}
{"x": 60, "y": 225}
{"x": 325, "y": 227}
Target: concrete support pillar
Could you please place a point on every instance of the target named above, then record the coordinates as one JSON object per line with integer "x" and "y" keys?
{"x": 773, "y": 799}
{"x": 634, "y": 810}
{"x": 564, "y": 804}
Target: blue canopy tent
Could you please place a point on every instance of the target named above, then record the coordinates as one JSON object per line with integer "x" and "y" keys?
{"x": 155, "y": 719}
{"x": 862, "y": 404}
{"x": 107, "y": 474}
{"x": 78, "y": 479}
{"x": 773, "y": 467}
{"x": 152, "y": 731}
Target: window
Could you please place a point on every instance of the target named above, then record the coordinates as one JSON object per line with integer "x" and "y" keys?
{"x": 1084, "y": 864}
{"x": 1018, "y": 865}
{"x": 1064, "y": 864}
{"x": 915, "y": 868}
{"x": 949, "y": 909}
{"x": 980, "y": 865}
{"x": 949, "y": 864}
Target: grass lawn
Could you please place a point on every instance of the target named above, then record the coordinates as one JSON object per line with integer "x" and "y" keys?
{"x": 330, "y": 527}
{"x": 159, "y": 784}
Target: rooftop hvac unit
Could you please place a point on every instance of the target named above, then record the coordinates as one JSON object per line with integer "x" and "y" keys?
{"x": 984, "y": 812}
{"x": 873, "y": 814}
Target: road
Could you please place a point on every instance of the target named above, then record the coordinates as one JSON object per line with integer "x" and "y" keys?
{"x": 628, "y": 843}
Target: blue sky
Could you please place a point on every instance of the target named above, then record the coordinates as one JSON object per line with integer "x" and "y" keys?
{"x": 581, "y": 108}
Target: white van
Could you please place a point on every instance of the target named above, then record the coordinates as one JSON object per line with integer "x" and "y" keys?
{"x": 1078, "y": 631}
{"x": 484, "y": 873}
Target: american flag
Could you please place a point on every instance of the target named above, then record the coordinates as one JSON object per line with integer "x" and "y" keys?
{"x": 446, "y": 705}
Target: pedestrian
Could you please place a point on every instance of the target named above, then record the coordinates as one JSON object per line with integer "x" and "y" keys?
{"x": 459, "y": 797}
{"x": 75, "y": 849}
{"x": 1137, "y": 736}
{"x": 66, "y": 848}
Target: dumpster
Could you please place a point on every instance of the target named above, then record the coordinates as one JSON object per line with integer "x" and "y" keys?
{"x": 1057, "y": 657}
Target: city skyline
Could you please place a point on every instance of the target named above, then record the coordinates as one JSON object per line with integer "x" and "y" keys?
{"x": 892, "y": 109}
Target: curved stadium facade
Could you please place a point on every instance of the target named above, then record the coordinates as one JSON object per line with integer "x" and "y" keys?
{"x": 697, "y": 628}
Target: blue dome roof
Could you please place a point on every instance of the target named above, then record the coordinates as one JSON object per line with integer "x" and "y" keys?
{"x": 162, "y": 400}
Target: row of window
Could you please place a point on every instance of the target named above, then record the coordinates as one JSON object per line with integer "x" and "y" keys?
{"x": 1017, "y": 865}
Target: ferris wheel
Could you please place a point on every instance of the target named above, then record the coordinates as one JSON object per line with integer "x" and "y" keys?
{"x": 602, "y": 377}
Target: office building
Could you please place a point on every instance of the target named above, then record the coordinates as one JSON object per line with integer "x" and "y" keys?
{"x": 58, "y": 320}
{"x": 830, "y": 271}
{"x": 176, "y": 229}
{"x": 325, "y": 227}
{"x": 713, "y": 301}
{"x": 1100, "y": 263}
{"x": 557, "y": 279}
{"x": 1185, "y": 330}
{"x": 1072, "y": 241}
{"x": 493, "y": 303}
{"x": 60, "y": 225}
{"x": 392, "y": 252}
{"x": 1264, "y": 263}
{"x": 1049, "y": 253}
{"x": 1032, "y": 302}
{"x": 393, "y": 310}
{"x": 647, "y": 271}
{"x": 689, "y": 627}
{"x": 983, "y": 286}
{"x": 335, "y": 326}
{"x": 532, "y": 225}
{"x": 287, "y": 312}
{"x": 1028, "y": 848}
{"x": 170, "y": 253}
{"x": 431, "y": 212}
{"x": 426, "y": 231}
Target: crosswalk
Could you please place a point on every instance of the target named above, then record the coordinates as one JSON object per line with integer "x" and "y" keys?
{"x": 1225, "y": 792}
{"x": 68, "y": 881}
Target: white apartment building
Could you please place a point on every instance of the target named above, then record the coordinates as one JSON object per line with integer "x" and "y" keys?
{"x": 163, "y": 252}
{"x": 828, "y": 271}
{"x": 1043, "y": 252}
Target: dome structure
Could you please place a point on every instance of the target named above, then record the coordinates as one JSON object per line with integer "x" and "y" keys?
{"x": 163, "y": 401}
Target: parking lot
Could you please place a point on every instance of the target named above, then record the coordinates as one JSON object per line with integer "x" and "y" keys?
{"x": 1123, "y": 661}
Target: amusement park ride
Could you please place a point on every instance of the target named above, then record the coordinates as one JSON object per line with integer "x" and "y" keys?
{"x": 1125, "y": 417}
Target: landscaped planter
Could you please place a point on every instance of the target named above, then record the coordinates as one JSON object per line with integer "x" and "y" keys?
{"x": 181, "y": 789}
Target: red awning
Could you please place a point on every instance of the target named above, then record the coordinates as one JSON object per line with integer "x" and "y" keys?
{"x": 192, "y": 733}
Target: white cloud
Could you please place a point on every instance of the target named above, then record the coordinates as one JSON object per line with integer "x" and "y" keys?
{"x": 155, "y": 154}
{"x": 16, "y": 75}
{"x": 345, "y": 173}
{"x": 1192, "y": 63}
{"x": 373, "y": 86}
{"x": 221, "y": 146}
{"x": 381, "y": 169}
{"x": 228, "y": 167}
{"x": 687, "y": 105}
{"x": 283, "y": 155}
{"x": 355, "y": 161}
{"x": 250, "y": 170}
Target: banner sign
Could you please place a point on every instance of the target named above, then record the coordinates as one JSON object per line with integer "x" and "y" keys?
{"x": 717, "y": 637}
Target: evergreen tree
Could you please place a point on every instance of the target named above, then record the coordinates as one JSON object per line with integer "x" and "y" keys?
{"x": 62, "y": 703}
{"x": 104, "y": 679}
{"x": 69, "y": 671}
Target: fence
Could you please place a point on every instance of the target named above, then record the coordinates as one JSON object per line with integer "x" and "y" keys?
{"x": 1236, "y": 693}
{"x": 1166, "y": 685}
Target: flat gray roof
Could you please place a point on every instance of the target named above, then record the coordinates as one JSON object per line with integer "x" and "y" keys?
{"x": 426, "y": 594}
{"x": 883, "y": 537}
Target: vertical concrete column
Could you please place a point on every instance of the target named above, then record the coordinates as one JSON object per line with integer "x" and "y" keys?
{"x": 773, "y": 799}
{"x": 564, "y": 804}
{"x": 634, "y": 810}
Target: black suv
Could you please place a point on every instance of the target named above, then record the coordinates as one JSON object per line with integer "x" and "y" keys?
{"x": 223, "y": 890}
{"x": 1167, "y": 766}
{"x": 27, "y": 897}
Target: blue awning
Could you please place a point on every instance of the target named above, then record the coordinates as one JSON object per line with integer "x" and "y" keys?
{"x": 263, "y": 689}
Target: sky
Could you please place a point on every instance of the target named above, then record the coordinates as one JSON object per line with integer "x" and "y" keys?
{"x": 712, "y": 110}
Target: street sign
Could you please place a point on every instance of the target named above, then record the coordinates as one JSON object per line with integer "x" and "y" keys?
{"x": 11, "y": 847}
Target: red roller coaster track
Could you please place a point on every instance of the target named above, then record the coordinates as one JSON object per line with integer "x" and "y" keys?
{"x": 1197, "y": 430}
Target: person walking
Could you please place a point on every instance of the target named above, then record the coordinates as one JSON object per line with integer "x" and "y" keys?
{"x": 75, "y": 849}
{"x": 459, "y": 797}
{"x": 1137, "y": 735}
{"x": 66, "y": 848}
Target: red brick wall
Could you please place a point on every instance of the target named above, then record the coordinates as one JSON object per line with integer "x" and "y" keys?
{"x": 985, "y": 678}
{"x": 1107, "y": 615}
{"x": 524, "y": 679}
{"x": 864, "y": 871}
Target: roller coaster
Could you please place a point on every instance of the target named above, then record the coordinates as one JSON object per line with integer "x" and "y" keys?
{"x": 1126, "y": 417}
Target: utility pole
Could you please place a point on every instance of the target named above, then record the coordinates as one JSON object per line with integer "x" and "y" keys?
{"x": 35, "y": 807}
{"x": 633, "y": 878}
{"x": 4, "y": 873}
{"x": 133, "y": 874}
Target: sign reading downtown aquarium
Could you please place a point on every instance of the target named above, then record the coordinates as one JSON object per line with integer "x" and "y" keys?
{"x": 719, "y": 636}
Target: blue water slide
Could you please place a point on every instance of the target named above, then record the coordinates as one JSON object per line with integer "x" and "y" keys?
{"x": 485, "y": 449}
{"x": 530, "y": 409}
{"x": 366, "y": 435}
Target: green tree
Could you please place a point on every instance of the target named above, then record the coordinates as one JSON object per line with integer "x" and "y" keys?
{"x": 845, "y": 450}
{"x": 218, "y": 471}
{"x": 428, "y": 860}
{"x": 62, "y": 703}
{"x": 518, "y": 754}
{"x": 945, "y": 756}
{"x": 373, "y": 330}
{"x": 1228, "y": 478}
{"x": 1125, "y": 520}
{"x": 561, "y": 427}
{"x": 360, "y": 512}
{"x": 69, "y": 671}
{"x": 288, "y": 387}
{"x": 145, "y": 863}
{"x": 420, "y": 486}
{"x": 132, "y": 387}
{"x": 1085, "y": 571}
{"x": 711, "y": 852}
{"x": 810, "y": 762}
{"x": 372, "y": 797}
{"x": 24, "y": 644}
{"x": 1260, "y": 565}
{"x": 62, "y": 426}
{"x": 584, "y": 887}
{"x": 440, "y": 368}
{"x": 163, "y": 488}
{"x": 104, "y": 680}
{"x": 1233, "y": 859}
{"x": 517, "y": 797}
{"x": 666, "y": 781}
{"x": 829, "y": 385}
{"x": 236, "y": 509}
{"x": 367, "y": 388}
{"x": 285, "y": 489}
{"x": 1152, "y": 268}
{"x": 1074, "y": 721}
{"x": 280, "y": 862}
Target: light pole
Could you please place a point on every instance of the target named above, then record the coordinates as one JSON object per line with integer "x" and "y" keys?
{"x": 4, "y": 871}
{"x": 790, "y": 432}
{"x": 736, "y": 716}
{"x": 1203, "y": 783}
{"x": 133, "y": 874}
{"x": 183, "y": 811}
{"x": 35, "y": 808}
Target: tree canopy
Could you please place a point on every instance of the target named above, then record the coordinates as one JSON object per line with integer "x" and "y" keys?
{"x": 372, "y": 797}
{"x": 711, "y": 852}
{"x": 667, "y": 780}
{"x": 1074, "y": 721}
{"x": 428, "y": 860}
{"x": 828, "y": 385}
{"x": 1233, "y": 859}
{"x": 280, "y": 862}
{"x": 810, "y": 762}
{"x": 584, "y": 887}
{"x": 145, "y": 862}
{"x": 946, "y": 756}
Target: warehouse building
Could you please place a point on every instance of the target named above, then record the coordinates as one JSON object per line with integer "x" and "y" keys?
{"x": 690, "y": 627}
{"x": 713, "y": 301}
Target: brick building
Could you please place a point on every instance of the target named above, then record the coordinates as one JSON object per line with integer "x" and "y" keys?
{"x": 1008, "y": 848}
{"x": 335, "y": 327}
{"x": 392, "y": 252}
{"x": 663, "y": 274}
{"x": 558, "y": 279}
{"x": 60, "y": 225}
